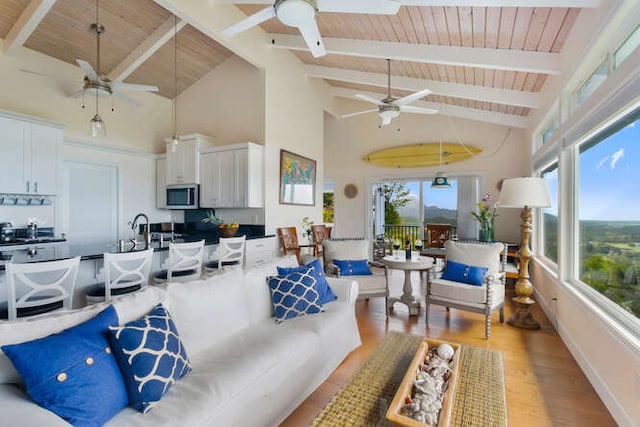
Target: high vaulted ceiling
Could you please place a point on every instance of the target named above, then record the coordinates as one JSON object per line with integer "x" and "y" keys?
{"x": 486, "y": 60}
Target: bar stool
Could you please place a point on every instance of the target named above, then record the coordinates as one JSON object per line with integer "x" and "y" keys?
{"x": 183, "y": 264}
{"x": 230, "y": 252}
{"x": 39, "y": 287}
{"x": 123, "y": 273}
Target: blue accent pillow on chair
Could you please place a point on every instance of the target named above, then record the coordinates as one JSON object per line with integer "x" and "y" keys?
{"x": 463, "y": 273}
{"x": 294, "y": 295}
{"x": 322, "y": 286}
{"x": 151, "y": 357}
{"x": 353, "y": 267}
{"x": 73, "y": 373}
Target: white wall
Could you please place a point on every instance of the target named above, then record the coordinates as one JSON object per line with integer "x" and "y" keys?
{"x": 347, "y": 141}
{"x": 48, "y": 98}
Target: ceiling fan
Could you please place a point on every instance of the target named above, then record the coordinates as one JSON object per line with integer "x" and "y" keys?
{"x": 390, "y": 107}
{"x": 97, "y": 83}
{"x": 301, "y": 14}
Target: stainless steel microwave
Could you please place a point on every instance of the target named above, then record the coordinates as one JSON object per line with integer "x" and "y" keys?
{"x": 182, "y": 196}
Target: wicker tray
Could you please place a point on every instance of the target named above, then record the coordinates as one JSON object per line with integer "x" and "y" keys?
{"x": 394, "y": 415}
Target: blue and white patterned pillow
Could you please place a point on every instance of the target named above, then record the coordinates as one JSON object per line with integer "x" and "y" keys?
{"x": 151, "y": 357}
{"x": 294, "y": 295}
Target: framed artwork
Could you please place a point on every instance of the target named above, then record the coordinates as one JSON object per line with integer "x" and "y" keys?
{"x": 297, "y": 179}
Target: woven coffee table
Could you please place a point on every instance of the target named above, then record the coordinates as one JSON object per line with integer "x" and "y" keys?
{"x": 479, "y": 399}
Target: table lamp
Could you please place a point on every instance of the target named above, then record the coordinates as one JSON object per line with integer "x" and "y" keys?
{"x": 524, "y": 193}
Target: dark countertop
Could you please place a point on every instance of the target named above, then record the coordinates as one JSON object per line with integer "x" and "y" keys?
{"x": 64, "y": 249}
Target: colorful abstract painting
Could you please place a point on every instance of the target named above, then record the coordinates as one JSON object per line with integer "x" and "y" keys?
{"x": 297, "y": 179}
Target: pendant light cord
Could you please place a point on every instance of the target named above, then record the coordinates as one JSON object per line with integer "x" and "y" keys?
{"x": 98, "y": 57}
{"x": 175, "y": 75}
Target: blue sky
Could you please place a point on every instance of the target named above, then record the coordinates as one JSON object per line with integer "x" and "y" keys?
{"x": 609, "y": 178}
{"x": 443, "y": 198}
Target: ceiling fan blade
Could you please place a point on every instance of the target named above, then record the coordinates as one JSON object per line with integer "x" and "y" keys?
{"x": 127, "y": 99}
{"x": 24, "y": 70}
{"x": 378, "y": 7}
{"x": 417, "y": 110}
{"x": 87, "y": 69}
{"x": 311, "y": 36}
{"x": 413, "y": 97}
{"x": 129, "y": 86}
{"x": 358, "y": 113}
{"x": 370, "y": 99}
{"x": 250, "y": 21}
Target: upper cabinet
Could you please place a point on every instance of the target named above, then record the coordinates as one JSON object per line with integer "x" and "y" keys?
{"x": 30, "y": 156}
{"x": 183, "y": 160}
{"x": 161, "y": 183}
{"x": 232, "y": 176}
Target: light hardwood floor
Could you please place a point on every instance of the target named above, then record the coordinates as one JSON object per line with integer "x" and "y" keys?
{"x": 545, "y": 386}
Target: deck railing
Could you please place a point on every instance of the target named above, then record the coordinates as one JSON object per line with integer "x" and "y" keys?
{"x": 400, "y": 232}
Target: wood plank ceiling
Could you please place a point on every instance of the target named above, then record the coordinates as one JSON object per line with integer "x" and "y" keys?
{"x": 480, "y": 59}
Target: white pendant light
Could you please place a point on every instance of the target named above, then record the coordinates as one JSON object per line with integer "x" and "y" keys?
{"x": 441, "y": 180}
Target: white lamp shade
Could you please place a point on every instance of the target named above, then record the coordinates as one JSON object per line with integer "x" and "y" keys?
{"x": 528, "y": 191}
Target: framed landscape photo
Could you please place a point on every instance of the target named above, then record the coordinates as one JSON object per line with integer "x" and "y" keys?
{"x": 297, "y": 179}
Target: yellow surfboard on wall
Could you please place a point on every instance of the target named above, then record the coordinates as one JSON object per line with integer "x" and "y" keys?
{"x": 421, "y": 155}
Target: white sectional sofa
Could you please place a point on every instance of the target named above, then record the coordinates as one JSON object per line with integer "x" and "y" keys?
{"x": 247, "y": 370}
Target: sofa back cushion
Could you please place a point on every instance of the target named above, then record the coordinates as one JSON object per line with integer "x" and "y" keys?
{"x": 475, "y": 254}
{"x": 348, "y": 249}
{"x": 208, "y": 310}
{"x": 128, "y": 307}
{"x": 258, "y": 295}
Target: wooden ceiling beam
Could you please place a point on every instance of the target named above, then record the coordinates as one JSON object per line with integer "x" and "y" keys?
{"x": 444, "y": 109}
{"x": 478, "y": 93}
{"x": 30, "y": 18}
{"x": 144, "y": 50}
{"x": 497, "y": 59}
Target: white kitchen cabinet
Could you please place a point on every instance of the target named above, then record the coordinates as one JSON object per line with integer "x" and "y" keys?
{"x": 183, "y": 160}
{"x": 232, "y": 176}
{"x": 259, "y": 251}
{"x": 161, "y": 183}
{"x": 30, "y": 156}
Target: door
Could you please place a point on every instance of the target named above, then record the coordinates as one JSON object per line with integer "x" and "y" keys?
{"x": 378, "y": 209}
{"x": 92, "y": 202}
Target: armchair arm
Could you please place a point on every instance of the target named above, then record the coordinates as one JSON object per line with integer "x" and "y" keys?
{"x": 344, "y": 289}
{"x": 377, "y": 264}
{"x": 332, "y": 270}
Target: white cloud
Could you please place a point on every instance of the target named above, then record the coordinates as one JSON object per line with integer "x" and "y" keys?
{"x": 616, "y": 157}
{"x": 602, "y": 162}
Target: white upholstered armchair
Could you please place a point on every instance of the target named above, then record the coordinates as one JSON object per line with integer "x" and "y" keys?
{"x": 374, "y": 285}
{"x": 477, "y": 270}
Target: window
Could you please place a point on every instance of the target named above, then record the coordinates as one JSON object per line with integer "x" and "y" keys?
{"x": 440, "y": 205}
{"x": 547, "y": 133}
{"x": 592, "y": 83}
{"x": 626, "y": 48}
{"x": 550, "y": 216}
{"x": 609, "y": 214}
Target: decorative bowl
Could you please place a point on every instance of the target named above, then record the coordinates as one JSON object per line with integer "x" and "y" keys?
{"x": 228, "y": 231}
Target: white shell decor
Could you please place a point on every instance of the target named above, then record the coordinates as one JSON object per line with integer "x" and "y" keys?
{"x": 431, "y": 382}
{"x": 445, "y": 351}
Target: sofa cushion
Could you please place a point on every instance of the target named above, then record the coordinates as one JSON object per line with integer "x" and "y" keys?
{"x": 256, "y": 289}
{"x": 204, "y": 305}
{"x": 151, "y": 357}
{"x": 322, "y": 286}
{"x": 294, "y": 295}
{"x": 485, "y": 255}
{"x": 75, "y": 374}
{"x": 458, "y": 272}
{"x": 353, "y": 267}
{"x": 459, "y": 291}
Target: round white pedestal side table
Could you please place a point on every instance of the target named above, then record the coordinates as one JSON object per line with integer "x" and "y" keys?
{"x": 407, "y": 266}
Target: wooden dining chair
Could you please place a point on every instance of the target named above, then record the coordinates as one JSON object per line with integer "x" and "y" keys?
{"x": 437, "y": 234}
{"x": 289, "y": 241}
{"x": 319, "y": 233}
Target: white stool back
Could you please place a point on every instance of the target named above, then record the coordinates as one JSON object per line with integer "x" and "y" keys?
{"x": 125, "y": 270}
{"x": 231, "y": 250}
{"x": 37, "y": 284}
{"x": 185, "y": 257}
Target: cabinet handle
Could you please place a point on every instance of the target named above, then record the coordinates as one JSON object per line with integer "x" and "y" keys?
{"x": 28, "y": 187}
{"x": 35, "y": 187}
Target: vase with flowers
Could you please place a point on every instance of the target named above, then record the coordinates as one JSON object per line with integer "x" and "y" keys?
{"x": 486, "y": 215}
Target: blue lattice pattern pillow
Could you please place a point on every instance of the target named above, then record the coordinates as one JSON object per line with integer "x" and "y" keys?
{"x": 322, "y": 286}
{"x": 151, "y": 357}
{"x": 294, "y": 295}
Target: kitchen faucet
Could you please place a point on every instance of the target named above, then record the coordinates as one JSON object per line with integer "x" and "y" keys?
{"x": 147, "y": 235}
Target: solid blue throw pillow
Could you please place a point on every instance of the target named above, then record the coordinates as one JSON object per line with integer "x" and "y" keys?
{"x": 151, "y": 357}
{"x": 458, "y": 272}
{"x": 322, "y": 286}
{"x": 294, "y": 295}
{"x": 353, "y": 267}
{"x": 73, "y": 373}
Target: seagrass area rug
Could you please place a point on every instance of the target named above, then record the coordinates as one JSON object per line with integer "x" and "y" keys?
{"x": 479, "y": 397}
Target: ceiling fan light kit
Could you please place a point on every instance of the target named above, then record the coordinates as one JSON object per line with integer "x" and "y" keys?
{"x": 295, "y": 13}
